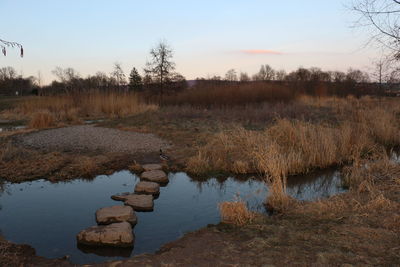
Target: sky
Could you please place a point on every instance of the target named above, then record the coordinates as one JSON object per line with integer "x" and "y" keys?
{"x": 208, "y": 37}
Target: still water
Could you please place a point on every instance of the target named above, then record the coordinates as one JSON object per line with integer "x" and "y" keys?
{"x": 48, "y": 216}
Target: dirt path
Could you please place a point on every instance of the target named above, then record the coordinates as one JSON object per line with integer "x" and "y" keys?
{"x": 90, "y": 138}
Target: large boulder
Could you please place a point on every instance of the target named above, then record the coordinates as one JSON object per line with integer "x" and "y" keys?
{"x": 115, "y": 235}
{"x": 149, "y": 188}
{"x": 140, "y": 202}
{"x": 156, "y": 176}
{"x": 152, "y": 167}
{"x": 116, "y": 214}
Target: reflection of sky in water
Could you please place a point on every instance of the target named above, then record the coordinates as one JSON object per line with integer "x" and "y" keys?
{"x": 48, "y": 216}
{"x": 11, "y": 128}
{"x": 315, "y": 186}
{"x": 394, "y": 155}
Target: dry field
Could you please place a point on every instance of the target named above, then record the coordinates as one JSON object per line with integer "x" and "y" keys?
{"x": 272, "y": 139}
{"x": 48, "y": 111}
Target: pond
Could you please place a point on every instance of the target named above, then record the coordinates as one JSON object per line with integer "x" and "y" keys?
{"x": 48, "y": 216}
{"x": 11, "y": 128}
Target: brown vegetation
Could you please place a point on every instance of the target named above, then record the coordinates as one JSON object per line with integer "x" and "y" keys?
{"x": 74, "y": 108}
{"x": 225, "y": 95}
{"x": 19, "y": 164}
{"x": 42, "y": 119}
{"x": 373, "y": 198}
{"x": 294, "y": 146}
{"x": 236, "y": 213}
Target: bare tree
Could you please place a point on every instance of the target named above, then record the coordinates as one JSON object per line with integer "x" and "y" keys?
{"x": 357, "y": 76}
{"x": 66, "y": 76}
{"x": 161, "y": 66}
{"x": 381, "y": 71}
{"x": 338, "y": 76}
{"x": 7, "y": 73}
{"x": 280, "y": 75}
{"x": 269, "y": 73}
{"x": 4, "y": 44}
{"x": 118, "y": 74}
{"x": 382, "y": 18}
{"x": 266, "y": 73}
{"x": 244, "y": 77}
{"x": 231, "y": 75}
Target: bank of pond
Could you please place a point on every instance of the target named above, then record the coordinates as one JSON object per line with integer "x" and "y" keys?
{"x": 48, "y": 215}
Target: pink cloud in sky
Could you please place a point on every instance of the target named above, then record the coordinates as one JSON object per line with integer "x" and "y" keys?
{"x": 261, "y": 52}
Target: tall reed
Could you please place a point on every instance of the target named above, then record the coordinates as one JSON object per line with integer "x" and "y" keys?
{"x": 231, "y": 94}
{"x": 72, "y": 108}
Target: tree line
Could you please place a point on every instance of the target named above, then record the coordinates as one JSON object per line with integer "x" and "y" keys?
{"x": 267, "y": 73}
{"x": 159, "y": 77}
{"x": 304, "y": 79}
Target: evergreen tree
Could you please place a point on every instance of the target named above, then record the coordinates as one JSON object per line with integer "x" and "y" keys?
{"x": 135, "y": 80}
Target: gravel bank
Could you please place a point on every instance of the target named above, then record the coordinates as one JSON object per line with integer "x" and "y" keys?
{"x": 91, "y": 138}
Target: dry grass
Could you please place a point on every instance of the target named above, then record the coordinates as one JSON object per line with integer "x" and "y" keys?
{"x": 373, "y": 192}
{"x": 288, "y": 147}
{"x": 19, "y": 164}
{"x": 9, "y": 254}
{"x": 294, "y": 147}
{"x": 363, "y": 127}
{"x": 9, "y": 152}
{"x": 72, "y": 108}
{"x": 87, "y": 166}
{"x": 232, "y": 94}
{"x": 135, "y": 168}
{"x": 278, "y": 200}
{"x": 235, "y": 213}
{"x": 42, "y": 119}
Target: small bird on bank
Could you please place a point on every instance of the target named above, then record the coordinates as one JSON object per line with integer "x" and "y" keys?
{"x": 163, "y": 156}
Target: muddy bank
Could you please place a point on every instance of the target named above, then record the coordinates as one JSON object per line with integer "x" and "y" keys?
{"x": 20, "y": 164}
{"x": 76, "y": 151}
{"x": 24, "y": 255}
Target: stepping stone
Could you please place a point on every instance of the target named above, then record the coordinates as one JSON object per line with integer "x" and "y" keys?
{"x": 116, "y": 214}
{"x": 149, "y": 188}
{"x": 156, "y": 176}
{"x": 120, "y": 197}
{"x": 152, "y": 167}
{"x": 140, "y": 202}
{"x": 115, "y": 235}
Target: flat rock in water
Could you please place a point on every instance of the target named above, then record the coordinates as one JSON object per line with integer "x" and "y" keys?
{"x": 120, "y": 197}
{"x": 140, "y": 202}
{"x": 116, "y": 214}
{"x": 156, "y": 176}
{"x": 147, "y": 188}
{"x": 115, "y": 235}
{"x": 152, "y": 167}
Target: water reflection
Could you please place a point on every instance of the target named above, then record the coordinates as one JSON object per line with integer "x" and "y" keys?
{"x": 49, "y": 215}
{"x": 12, "y": 128}
{"x": 316, "y": 185}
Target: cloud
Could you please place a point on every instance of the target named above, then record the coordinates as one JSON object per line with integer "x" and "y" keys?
{"x": 261, "y": 52}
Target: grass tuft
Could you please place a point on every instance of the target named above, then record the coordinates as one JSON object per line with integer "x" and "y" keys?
{"x": 42, "y": 119}
{"x": 235, "y": 213}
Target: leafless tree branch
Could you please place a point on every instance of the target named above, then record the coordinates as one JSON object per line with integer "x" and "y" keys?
{"x": 4, "y": 44}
